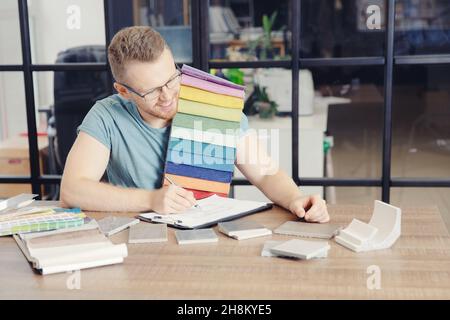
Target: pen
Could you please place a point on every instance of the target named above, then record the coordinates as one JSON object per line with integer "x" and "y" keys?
{"x": 171, "y": 182}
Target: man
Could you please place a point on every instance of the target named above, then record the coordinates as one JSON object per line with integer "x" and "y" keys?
{"x": 127, "y": 134}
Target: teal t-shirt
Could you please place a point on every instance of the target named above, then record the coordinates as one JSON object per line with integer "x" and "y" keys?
{"x": 137, "y": 150}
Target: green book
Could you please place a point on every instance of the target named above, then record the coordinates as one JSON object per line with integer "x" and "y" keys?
{"x": 209, "y": 111}
{"x": 203, "y": 123}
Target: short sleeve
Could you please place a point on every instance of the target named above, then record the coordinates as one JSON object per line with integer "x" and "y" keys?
{"x": 96, "y": 124}
{"x": 243, "y": 126}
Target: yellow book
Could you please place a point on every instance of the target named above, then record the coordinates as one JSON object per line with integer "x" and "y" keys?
{"x": 208, "y": 110}
{"x": 194, "y": 94}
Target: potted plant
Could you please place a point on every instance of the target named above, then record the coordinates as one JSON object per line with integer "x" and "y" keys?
{"x": 262, "y": 47}
{"x": 262, "y": 103}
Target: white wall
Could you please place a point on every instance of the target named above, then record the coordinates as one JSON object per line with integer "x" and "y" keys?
{"x": 49, "y": 35}
{"x": 12, "y": 99}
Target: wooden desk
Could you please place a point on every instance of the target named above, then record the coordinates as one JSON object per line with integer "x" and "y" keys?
{"x": 417, "y": 267}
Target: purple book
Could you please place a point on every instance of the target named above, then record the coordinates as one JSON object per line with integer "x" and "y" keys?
{"x": 209, "y": 77}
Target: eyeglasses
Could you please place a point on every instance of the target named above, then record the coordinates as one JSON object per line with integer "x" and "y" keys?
{"x": 171, "y": 84}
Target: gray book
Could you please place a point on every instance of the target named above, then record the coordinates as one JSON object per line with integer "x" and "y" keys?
{"x": 302, "y": 249}
{"x": 147, "y": 232}
{"x": 112, "y": 225}
{"x": 243, "y": 229}
{"x": 308, "y": 230}
{"x": 196, "y": 236}
{"x": 265, "y": 252}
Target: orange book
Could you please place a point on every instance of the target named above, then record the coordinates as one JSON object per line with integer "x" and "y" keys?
{"x": 198, "y": 184}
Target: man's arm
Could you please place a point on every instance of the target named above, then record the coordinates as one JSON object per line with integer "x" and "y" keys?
{"x": 257, "y": 166}
{"x": 81, "y": 186}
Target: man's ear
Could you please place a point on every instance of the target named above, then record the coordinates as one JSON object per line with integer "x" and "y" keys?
{"x": 121, "y": 90}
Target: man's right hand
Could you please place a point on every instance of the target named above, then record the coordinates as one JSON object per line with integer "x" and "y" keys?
{"x": 172, "y": 199}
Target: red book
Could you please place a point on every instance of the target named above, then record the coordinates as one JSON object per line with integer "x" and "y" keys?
{"x": 199, "y": 194}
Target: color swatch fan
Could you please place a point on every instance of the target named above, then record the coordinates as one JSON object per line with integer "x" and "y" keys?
{"x": 202, "y": 145}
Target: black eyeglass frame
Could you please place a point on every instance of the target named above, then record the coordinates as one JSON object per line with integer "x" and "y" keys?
{"x": 178, "y": 74}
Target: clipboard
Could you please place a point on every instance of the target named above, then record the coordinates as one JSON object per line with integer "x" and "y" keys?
{"x": 209, "y": 214}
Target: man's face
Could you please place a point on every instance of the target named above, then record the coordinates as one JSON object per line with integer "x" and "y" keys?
{"x": 144, "y": 76}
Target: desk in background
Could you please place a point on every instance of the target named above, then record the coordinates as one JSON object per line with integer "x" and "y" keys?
{"x": 417, "y": 267}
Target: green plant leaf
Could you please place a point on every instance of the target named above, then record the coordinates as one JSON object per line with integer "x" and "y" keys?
{"x": 265, "y": 23}
{"x": 273, "y": 17}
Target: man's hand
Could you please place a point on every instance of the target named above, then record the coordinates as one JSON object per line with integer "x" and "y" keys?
{"x": 312, "y": 208}
{"x": 171, "y": 199}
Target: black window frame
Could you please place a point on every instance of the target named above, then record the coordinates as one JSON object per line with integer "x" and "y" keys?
{"x": 200, "y": 41}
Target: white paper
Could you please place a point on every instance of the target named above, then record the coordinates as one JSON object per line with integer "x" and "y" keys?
{"x": 210, "y": 209}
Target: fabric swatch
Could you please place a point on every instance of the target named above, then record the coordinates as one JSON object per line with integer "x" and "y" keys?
{"x": 200, "y": 74}
{"x": 229, "y": 140}
{"x": 207, "y": 149}
{"x": 194, "y": 94}
{"x": 198, "y": 160}
{"x": 209, "y": 111}
{"x": 190, "y": 81}
{"x": 198, "y": 172}
{"x": 199, "y": 194}
{"x": 203, "y": 123}
{"x": 198, "y": 184}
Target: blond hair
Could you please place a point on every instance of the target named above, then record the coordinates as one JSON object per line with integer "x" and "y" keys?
{"x": 138, "y": 43}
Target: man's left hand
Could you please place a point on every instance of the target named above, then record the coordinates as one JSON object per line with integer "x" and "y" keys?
{"x": 311, "y": 208}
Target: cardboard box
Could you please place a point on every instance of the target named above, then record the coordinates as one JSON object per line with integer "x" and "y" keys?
{"x": 14, "y": 161}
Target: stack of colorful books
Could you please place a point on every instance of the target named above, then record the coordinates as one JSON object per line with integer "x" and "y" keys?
{"x": 202, "y": 144}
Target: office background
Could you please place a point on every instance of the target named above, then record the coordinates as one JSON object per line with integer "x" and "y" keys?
{"x": 377, "y": 128}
